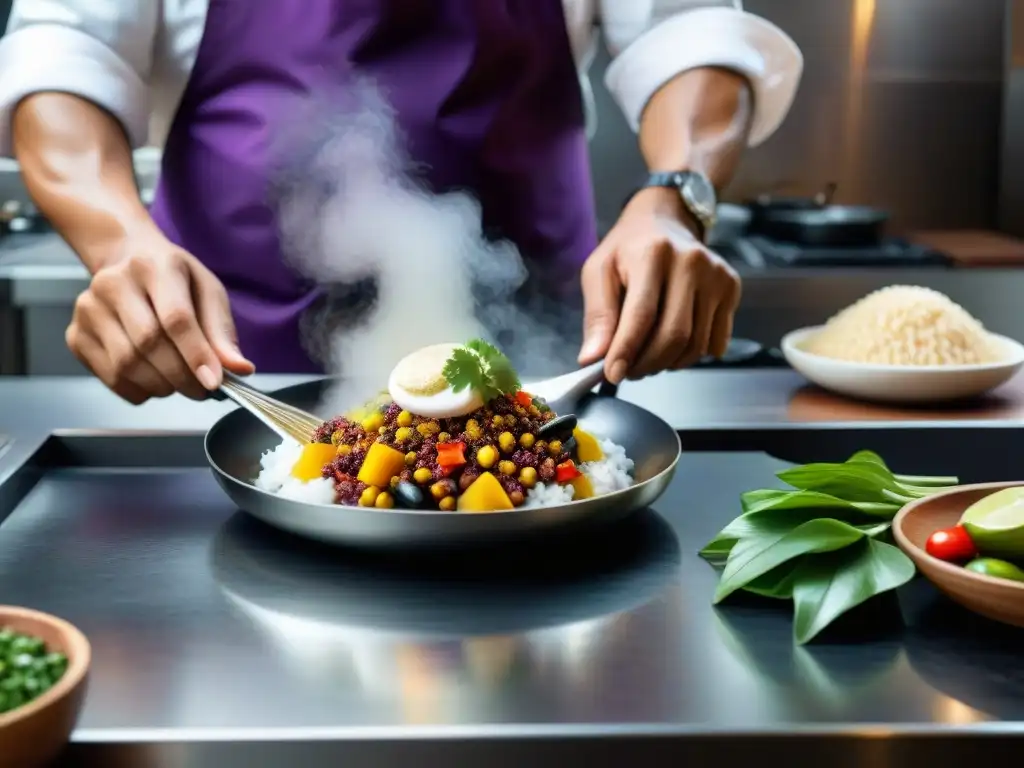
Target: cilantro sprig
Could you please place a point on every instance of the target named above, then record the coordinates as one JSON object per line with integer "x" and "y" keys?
{"x": 481, "y": 366}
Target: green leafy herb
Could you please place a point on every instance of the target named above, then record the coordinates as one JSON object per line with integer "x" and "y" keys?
{"x": 826, "y": 586}
{"x": 501, "y": 376}
{"x": 717, "y": 550}
{"x": 463, "y": 370}
{"x": 773, "y": 545}
{"x": 772, "y": 500}
{"x": 852, "y": 481}
{"x": 870, "y": 457}
{"x": 776, "y": 584}
{"x": 482, "y": 367}
{"x": 825, "y": 544}
{"x": 925, "y": 481}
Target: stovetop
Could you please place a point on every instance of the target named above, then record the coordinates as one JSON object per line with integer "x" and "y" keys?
{"x": 757, "y": 251}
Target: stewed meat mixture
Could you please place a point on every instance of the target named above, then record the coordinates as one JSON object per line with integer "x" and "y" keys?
{"x": 444, "y": 456}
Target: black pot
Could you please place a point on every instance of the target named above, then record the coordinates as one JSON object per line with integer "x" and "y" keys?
{"x": 836, "y": 225}
{"x": 814, "y": 221}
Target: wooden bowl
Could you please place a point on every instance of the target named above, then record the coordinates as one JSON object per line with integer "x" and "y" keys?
{"x": 34, "y": 734}
{"x": 998, "y": 599}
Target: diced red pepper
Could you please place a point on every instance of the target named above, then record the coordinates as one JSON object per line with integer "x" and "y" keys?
{"x": 525, "y": 399}
{"x": 451, "y": 455}
{"x": 951, "y": 544}
{"x": 566, "y": 472}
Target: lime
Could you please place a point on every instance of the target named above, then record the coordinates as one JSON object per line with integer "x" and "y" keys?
{"x": 999, "y": 569}
{"x": 996, "y": 523}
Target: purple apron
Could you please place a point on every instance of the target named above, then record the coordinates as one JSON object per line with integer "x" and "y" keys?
{"x": 485, "y": 93}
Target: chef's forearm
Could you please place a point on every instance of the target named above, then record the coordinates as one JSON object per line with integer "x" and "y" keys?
{"x": 77, "y": 166}
{"x": 698, "y": 121}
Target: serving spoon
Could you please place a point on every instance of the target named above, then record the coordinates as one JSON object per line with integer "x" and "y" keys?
{"x": 293, "y": 423}
{"x": 568, "y": 389}
{"x": 287, "y": 421}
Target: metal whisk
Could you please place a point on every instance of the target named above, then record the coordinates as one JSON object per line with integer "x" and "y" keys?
{"x": 286, "y": 420}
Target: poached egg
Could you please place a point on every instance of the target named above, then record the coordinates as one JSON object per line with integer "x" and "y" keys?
{"x": 417, "y": 385}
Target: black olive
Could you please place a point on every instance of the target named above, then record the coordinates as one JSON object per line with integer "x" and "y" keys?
{"x": 569, "y": 446}
{"x": 409, "y": 495}
{"x": 558, "y": 429}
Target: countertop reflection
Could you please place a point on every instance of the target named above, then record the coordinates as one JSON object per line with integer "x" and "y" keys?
{"x": 444, "y": 635}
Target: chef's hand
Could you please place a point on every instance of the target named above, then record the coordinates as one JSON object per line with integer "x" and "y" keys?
{"x": 655, "y": 298}
{"x": 156, "y": 322}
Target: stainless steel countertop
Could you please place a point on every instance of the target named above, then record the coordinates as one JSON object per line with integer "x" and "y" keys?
{"x": 220, "y": 643}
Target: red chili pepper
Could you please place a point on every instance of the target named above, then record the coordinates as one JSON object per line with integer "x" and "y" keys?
{"x": 566, "y": 471}
{"x": 451, "y": 455}
{"x": 525, "y": 399}
{"x": 951, "y": 544}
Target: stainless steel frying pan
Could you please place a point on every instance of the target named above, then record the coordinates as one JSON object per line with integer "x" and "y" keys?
{"x": 235, "y": 443}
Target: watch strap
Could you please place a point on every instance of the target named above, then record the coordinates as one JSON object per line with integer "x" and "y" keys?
{"x": 677, "y": 180}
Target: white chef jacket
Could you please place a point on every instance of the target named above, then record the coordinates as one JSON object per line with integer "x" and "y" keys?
{"x": 134, "y": 57}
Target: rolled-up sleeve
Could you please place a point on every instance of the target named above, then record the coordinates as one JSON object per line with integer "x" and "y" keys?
{"x": 652, "y": 42}
{"x": 100, "y": 50}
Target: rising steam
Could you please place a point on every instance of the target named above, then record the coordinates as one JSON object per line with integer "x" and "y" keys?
{"x": 402, "y": 268}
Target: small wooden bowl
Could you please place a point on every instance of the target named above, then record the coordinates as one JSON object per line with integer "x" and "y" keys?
{"x": 34, "y": 734}
{"x": 998, "y": 599}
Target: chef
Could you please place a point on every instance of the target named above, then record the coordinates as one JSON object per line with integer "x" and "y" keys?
{"x": 487, "y": 95}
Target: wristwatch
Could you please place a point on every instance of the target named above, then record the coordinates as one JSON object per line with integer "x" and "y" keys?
{"x": 697, "y": 193}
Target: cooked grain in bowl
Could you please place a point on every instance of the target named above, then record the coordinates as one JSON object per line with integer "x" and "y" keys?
{"x": 905, "y": 325}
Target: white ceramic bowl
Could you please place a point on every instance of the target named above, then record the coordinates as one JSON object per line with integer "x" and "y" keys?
{"x": 908, "y": 384}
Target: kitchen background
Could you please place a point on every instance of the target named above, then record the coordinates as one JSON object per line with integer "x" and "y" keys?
{"x": 915, "y": 107}
{"x": 900, "y": 105}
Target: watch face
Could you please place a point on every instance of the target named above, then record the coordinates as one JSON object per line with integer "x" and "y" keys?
{"x": 699, "y": 195}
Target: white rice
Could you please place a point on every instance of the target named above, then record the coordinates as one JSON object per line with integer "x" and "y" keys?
{"x": 548, "y": 495}
{"x": 610, "y": 474}
{"x": 905, "y": 325}
{"x": 276, "y": 477}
